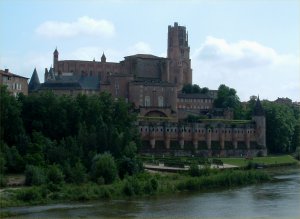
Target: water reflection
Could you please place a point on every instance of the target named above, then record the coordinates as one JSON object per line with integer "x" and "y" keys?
{"x": 280, "y": 199}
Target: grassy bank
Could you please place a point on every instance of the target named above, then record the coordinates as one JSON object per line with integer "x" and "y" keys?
{"x": 268, "y": 161}
{"x": 280, "y": 160}
{"x": 144, "y": 184}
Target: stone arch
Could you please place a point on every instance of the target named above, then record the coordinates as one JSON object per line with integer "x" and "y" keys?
{"x": 156, "y": 113}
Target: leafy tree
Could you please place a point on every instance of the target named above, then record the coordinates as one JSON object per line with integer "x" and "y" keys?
{"x": 204, "y": 90}
{"x": 11, "y": 125}
{"x": 78, "y": 173}
{"x": 187, "y": 89}
{"x": 296, "y": 136}
{"x": 104, "y": 166}
{"x": 14, "y": 161}
{"x": 280, "y": 122}
{"x": 227, "y": 98}
{"x": 194, "y": 89}
{"x": 54, "y": 174}
{"x": 34, "y": 175}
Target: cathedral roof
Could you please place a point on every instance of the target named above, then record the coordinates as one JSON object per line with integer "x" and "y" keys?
{"x": 144, "y": 56}
{"x": 73, "y": 82}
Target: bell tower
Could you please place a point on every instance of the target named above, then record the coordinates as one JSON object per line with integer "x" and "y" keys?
{"x": 55, "y": 60}
{"x": 179, "y": 56}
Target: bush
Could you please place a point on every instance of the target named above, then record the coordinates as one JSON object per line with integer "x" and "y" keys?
{"x": 132, "y": 186}
{"x": 297, "y": 153}
{"x": 194, "y": 170}
{"x": 103, "y": 165}
{"x": 34, "y": 175}
{"x": 26, "y": 195}
{"x": 151, "y": 186}
{"x": 129, "y": 166}
{"x": 3, "y": 181}
{"x": 78, "y": 174}
{"x": 55, "y": 175}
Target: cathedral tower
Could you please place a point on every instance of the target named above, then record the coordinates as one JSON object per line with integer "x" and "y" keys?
{"x": 179, "y": 55}
{"x": 55, "y": 60}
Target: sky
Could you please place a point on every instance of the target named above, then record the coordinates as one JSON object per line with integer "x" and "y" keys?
{"x": 251, "y": 46}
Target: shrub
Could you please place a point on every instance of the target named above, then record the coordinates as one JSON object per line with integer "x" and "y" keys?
{"x": 129, "y": 166}
{"x": 26, "y": 195}
{"x": 3, "y": 181}
{"x": 55, "y": 175}
{"x": 154, "y": 184}
{"x": 151, "y": 186}
{"x": 132, "y": 186}
{"x": 34, "y": 175}
{"x": 128, "y": 188}
{"x": 103, "y": 165}
{"x": 78, "y": 174}
{"x": 194, "y": 170}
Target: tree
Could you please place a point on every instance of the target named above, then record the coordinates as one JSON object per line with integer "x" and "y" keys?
{"x": 280, "y": 122}
{"x": 104, "y": 166}
{"x": 34, "y": 175}
{"x": 55, "y": 175}
{"x": 194, "y": 89}
{"x": 227, "y": 98}
{"x": 296, "y": 136}
{"x": 11, "y": 125}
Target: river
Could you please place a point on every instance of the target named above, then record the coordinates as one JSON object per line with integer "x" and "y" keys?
{"x": 280, "y": 199}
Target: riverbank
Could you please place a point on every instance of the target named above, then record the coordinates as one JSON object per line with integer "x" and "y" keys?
{"x": 141, "y": 185}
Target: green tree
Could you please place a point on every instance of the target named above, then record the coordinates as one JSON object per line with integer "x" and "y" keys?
{"x": 54, "y": 174}
{"x": 34, "y": 175}
{"x": 104, "y": 166}
{"x": 11, "y": 125}
{"x": 227, "y": 98}
{"x": 296, "y": 136}
{"x": 280, "y": 122}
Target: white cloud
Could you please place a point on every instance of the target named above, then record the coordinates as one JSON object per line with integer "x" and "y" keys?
{"x": 247, "y": 66}
{"x": 82, "y": 26}
{"x": 140, "y": 48}
{"x": 25, "y": 64}
{"x": 112, "y": 55}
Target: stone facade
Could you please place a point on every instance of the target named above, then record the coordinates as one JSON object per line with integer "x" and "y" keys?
{"x": 15, "y": 83}
{"x": 153, "y": 85}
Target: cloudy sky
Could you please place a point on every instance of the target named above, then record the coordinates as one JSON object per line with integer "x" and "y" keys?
{"x": 252, "y": 46}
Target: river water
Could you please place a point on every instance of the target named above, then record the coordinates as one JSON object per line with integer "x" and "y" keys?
{"x": 280, "y": 199}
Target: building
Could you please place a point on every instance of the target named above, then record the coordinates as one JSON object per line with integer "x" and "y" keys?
{"x": 153, "y": 85}
{"x": 15, "y": 83}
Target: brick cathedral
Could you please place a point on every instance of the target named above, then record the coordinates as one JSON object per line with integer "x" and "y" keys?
{"x": 153, "y": 85}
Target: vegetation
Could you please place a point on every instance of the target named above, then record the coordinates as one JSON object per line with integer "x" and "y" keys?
{"x": 227, "y": 98}
{"x": 270, "y": 160}
{"x": 57, "y": 139}
{"x": 85, "y": 148}
{"x": 142, "y": 184}
{"x": 194, "y": 89}
{"x": 239, "y": 162}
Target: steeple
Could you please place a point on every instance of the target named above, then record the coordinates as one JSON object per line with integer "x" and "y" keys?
{"x": 258, "y": 109}
{"x": 34, "y": 81}
{"x": 103, "y": 58}
{"x": 55, "y": 51}
{"x": 55, "y": 59}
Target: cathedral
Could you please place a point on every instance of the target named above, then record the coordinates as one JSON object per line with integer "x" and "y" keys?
{"x": 154, "y": 86}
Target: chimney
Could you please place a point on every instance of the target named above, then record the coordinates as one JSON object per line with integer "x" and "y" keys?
{"x": 6, "y": 70}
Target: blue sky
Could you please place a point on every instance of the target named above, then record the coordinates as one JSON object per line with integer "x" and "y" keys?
{"x": 252, "y": 46}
